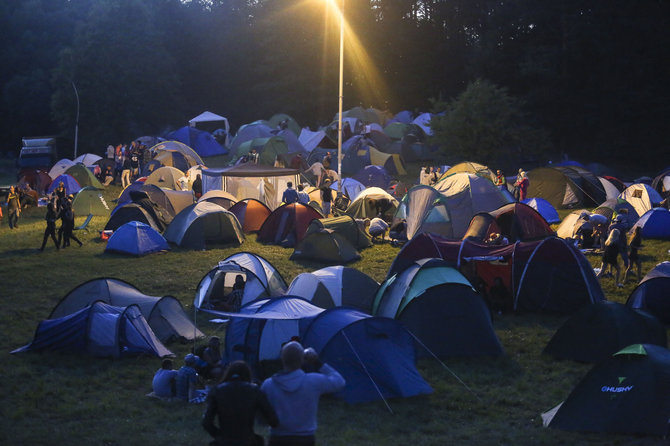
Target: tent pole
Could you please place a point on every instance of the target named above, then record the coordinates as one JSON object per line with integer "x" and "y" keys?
{"x": 444, "y": 365}
{"x": 366, "y": 371}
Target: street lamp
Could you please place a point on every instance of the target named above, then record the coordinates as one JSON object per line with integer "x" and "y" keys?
{"x": 76, "y": 125}
{"x": 339, "y": 114}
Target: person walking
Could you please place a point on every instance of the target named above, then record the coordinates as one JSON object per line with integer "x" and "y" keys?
{"x": 13, "y": 208}
{"x": 294, "y": 394}
{"x": 50, "y": 231}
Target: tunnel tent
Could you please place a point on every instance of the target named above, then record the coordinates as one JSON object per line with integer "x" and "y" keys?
{"x": 336, "y": 286}
{"x": 165, "y": 314}
{"x": 99, "y": 330}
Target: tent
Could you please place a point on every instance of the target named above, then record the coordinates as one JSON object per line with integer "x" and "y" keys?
{"x": 203, "y": 224}
{"x": 280, "y": 120}
{"x": 375, "y": 355}
{"x": 336, "y": 286}
{"x": 166, "y": 177}
{"x": 133, "y": 212}
{"x": 71, "y": 185}
{"x": 287, "y": 224}
{"x": 438, "y": 305}
{"x": 344, "y": 226}
{"x": 350, "y": 187}
{"x": 515, "y": 221}
{"x": 547, "y": 275}
{"x": 373, "y": 176}
{"x": 222, "y": 198}
{"x": 424, "y": 210}
{"x": 262, "y": 280}
{"x": 423, "y": 121}
{"x": 170, "y": 201}
{"x": 662, "y": 182}
{"x": 325, "y": 246}
{"x": 124, "y": 196}
{"x": 60, "y": 167}
{"x": 570, "y": 224}
{"x": 610, "y": 208}
{"x": 249, "y": 180}
{"x": 251, "y": 214}
{"x": 467, "y": 194}
{"x": 89, "y": 200}
{"x": 642, "y": 197}
{"x": 611, "y": 190}
{"x": 359, "y": 152}
{"x": 628, "y": 393}
{"x": 175, "y": 146}
{"x": 470, "y": 167}
{"x": 310, "y": 140}
{"x": 201, "y": 141}
{"x": 136, "y": 239}
{"x": 545, "y": 209}
{"x": 167, "y": 158}
{"x": 99, "y": 330}
{"x": 566, "y": 187}
{"x": 248, "y": 132}
{"x": 269, "y": 149}
{"x": 208, "y": 116}
{"x": 653, "y": 293}
{"x": 372, "y": 202}
{"x": 165, "y": 314}
{"x": 655, "y": 223}
{"x": 597, "y": 331}
{"x": 87, "y": 159}
{"x": 83, "y": 176}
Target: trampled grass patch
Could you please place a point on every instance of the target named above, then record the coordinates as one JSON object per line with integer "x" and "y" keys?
{"x": 53, "y": 398}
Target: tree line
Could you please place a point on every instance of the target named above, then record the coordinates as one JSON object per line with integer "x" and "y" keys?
{"x": 584, "y": 76}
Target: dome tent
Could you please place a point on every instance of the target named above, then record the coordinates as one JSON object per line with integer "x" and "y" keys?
{"x": 202, "y": 142}
{"x": 251, "y": 214}
{"x": 136, "y": 239}
{"x": 287, "y": 224}
{"x": 642, "y": 197}
{"x": 366, "y": 205}
{"x": 325, "y": 246}
{"x": 167, "y": 177}
{"x": 90, "y": 200}
{"x": 71, "y": 185}
{"x": 653, "y": 293}
{"x": 202, "y": 224}
{"x": 424, "y": 210}
{"x": 98, "y": 330}
{"x": 220, "y": 197}
{"x": 655, "y": 223}
{"x": 83, "y": 176}
{"x": 165, "y": 315}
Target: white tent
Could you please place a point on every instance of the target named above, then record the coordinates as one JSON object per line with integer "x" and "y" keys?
{"x": 87, "y": 159}
{"x": 212, "y": 117}
{"x": 423, "y": 121}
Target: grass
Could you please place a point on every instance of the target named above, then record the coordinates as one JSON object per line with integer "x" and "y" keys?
{"x": 52, "y": 398}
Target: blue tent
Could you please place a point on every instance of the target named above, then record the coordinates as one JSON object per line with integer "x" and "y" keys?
{"x": 375, "y": 355}
{"x": 199, "y": 140}
{"x": 545, "y": 209}
{"x": 653, "y": 293}
{"x": 350, "y": 187}
{"x": 137, "y": 239}
{"x": 373, "y": 176}
{"x": 99, "y": 330}
{"x": 655, "y": 223}
{"x": 71, "y": 185}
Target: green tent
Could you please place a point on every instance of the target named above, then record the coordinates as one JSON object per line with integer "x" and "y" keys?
{"x": 89, "y": 200}
{"x": 345, "y": 226}
{"x": 268, "y": 148}
{"x": 325, "y": 246}
{"x": 83, "y": 176}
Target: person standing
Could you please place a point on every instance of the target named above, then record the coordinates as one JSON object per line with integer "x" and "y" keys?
{"x": 303, "y": 197}
{"x": 290, "y": 195}
{"x": 134, "y": 162}
{"x": 13, "y": 208}
{"x": 294, "y": 394}
{"x": 610, "y": 255}
{"x": 67, "y": 224}
{"x": 125, "y": 173}
{"x": 326, "y": 197}
{"x": 235, "y": 403}
{"x": 500, "y": 181}
{"x": 50, "y": 230}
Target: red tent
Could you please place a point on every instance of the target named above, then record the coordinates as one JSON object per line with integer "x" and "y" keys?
{"x": 251, "y": 214}
{"x": 287, "y": 224}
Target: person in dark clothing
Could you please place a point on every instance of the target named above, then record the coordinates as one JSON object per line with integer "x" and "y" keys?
{"x": 235, "y": 403}
{"x": 197, "y": 186}
{"x": 67, "y": 225}
{"x": 59, "y": 194}
{"x": 13, "y": 208}
{"x": 326, "y": 198}
{"x": 50, "y": 230}
{"x": 290, "y": 195}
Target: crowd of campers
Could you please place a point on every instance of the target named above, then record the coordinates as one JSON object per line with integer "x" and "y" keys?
{"x": 473, "y": 244}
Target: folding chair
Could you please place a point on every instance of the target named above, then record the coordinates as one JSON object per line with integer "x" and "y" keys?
{"x": 82, "y": 227}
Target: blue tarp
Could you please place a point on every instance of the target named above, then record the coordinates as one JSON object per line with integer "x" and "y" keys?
{"x": 137, "y": 239}
{"x": 199, "y": 140}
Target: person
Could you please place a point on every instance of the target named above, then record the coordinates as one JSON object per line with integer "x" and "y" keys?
{"x": 433, "y": 176}
{"x": 583, "y": 233}
{"x": 163, "y": 384}
{"x": 125, "y": 173}
{"x": 634, "y": 244}
{"x": 235, "y": 403}
{"x": 599, "y": 223}
{"x": 398, "y": 232}
{"x": 253, "y": 156}
{"x": 500, "y": 181}
{"x": 377, "y": 228}
{"x": 196, "y": 187}
{"x": 211, "y": 355}
{"x": 521, "y": 186}
{"x": 290, "y": 195}
{"x": 108, "y": 176}
{"x": 303, "y": 197}
{"x": 294, "y": 394}
{"x": 610, "y": 254}
{"x": 67, "y": 225}
{"x": 187, "y": 379}
{"x": 327, "y": 160}
{"x": 425, "y": 176}
{"x": 59, "y": 194}
{"x": 110, "y": 152}
{"x": 134, "y": 162}
{"x": 621, "y": 224}
{"x": 326, "y": 197}
{"x": 13, "y": 208}
{"x": 50, "y": 217}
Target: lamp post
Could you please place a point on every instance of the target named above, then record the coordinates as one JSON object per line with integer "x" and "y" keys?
{"x": 339, "y": 115}
{"x": 76, "y": 125}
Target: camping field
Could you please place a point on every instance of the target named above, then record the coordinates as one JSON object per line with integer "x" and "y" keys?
{"x": 57, "y": 399}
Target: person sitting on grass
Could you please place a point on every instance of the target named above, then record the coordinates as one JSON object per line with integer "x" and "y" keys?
{"x": 163, "y": 383}
{"x": 187, "y": 379}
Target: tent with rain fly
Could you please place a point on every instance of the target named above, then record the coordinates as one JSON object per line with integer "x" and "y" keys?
{"x": 89, "y": 200}
{"x": 653, "y": 293}
{"x": 597, "y": 331}
{"x": 201, "y": 141}
{"x": 171, "y": 201}
{"x": 325, "y": 246}
{"x": 372, "y": 202}
{"x": 546, "y": 210}
{"x": 438, "y": 305}
{"x": 137, "y": 239}
{"x": 336, "y": 286}
{"x": 470, "y": 167}
{"x": 262, "y": 280}
{"x": 467, "y": 194}
{"x": 251, "y": 214}
{"x": 165, "y": 315}
{"x": 133, "y": 212}
{"x": 249, "y": 180}
{"x": 166, "y": 177}
{"x": 98, "y": 330}
{"x": 424, "y": 210}
{"x": 655, "y": 223}
{"x": 287, "y": 224}
{"x": 71, "y": 185}
{"x": 547, "y": 275}
{"x": 202, "y": 225}
{"x": 375, "y": 355}
{"x": 628, "y": 393}
{"x": 345, "y": 226}
{"x": 642, "y": 197}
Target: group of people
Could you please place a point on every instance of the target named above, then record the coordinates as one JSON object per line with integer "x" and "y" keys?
{"x": 429, "y": 176}
{"x": 60, "y": 207}
{"x": 129, "y": 160}
{"x": 287, "y": 401}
